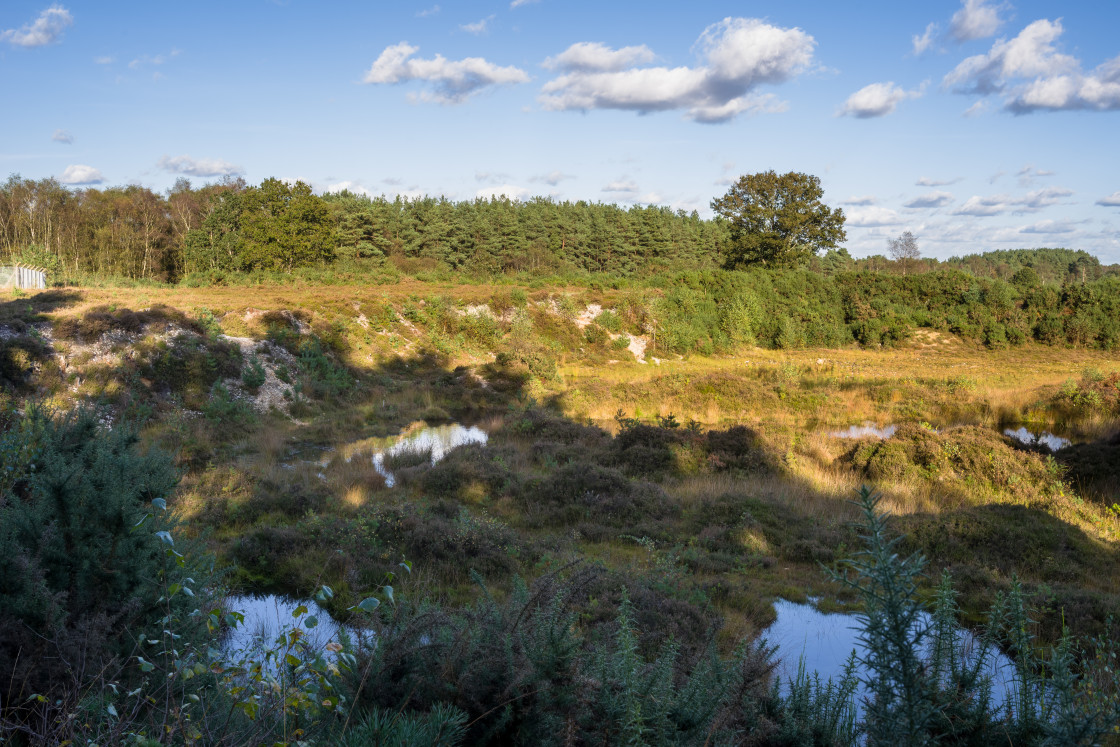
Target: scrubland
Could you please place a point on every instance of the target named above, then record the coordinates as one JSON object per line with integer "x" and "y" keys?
{"x": 697, "y": 487}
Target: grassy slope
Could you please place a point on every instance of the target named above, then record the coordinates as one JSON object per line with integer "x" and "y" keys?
{"x": 718, "y": 539}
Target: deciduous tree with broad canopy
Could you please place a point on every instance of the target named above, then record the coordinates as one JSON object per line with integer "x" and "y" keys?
{"x": 778, "y": 220}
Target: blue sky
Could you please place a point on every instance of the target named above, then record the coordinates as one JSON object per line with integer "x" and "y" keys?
{"x": 976, "y": 125}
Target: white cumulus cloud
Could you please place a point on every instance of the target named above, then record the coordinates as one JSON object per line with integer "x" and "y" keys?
{"x": 46, "y": 29}
{"x": 81, "y": 174}
{"x": 1113, "y": 200}
{"x": 62, "y": 136}
{"x": 598, "y": 57}
{"x": 977, "y": 19}
{"x": 876, "y": 100}
{"x": 930, "y": 200}
{"x": 737, "y": 56}
{"x": 1035, "y": 76}
{"x": 1031, "y": 54}
{"x": 452, "y": 81}
{"x": 198, "y": 166}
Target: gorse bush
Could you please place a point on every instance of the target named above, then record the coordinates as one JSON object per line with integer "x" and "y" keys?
{"x": 81, "y": 571}
{"x": 922, "y": 689}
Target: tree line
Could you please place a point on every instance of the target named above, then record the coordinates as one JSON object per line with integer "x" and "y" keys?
{"x": 230, "y": 226}
{"x": 210, "y": 232}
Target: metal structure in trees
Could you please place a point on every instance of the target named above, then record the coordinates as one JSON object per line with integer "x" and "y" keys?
{"x": 22, "y": 276}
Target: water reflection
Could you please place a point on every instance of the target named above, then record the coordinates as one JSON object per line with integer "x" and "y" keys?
{"x": 826, "y": 640}
{"x": 436, "y": 440}
{"x": 266, "y": 616}
{"x": 864, "y": 431}
{"x": 1047, "y": 439}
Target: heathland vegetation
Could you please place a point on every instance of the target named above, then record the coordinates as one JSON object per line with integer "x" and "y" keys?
{"x": 209, "y": 399}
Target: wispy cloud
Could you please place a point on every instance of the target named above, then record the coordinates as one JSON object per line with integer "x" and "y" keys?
{"x": 1028, "y": 174}
{"x": 156, "y": 60}
{"x": 491, "y": 177}
{"x": 46, "y": 29}
{"x": 198, "y": 166}
{"x": 876, "y": 100}
{"x": 478, "y": 27}
{"x": 622, "y": 185}
{"x": 864, "y": 217}
{"x": 1049, "y": 227}
{"x": 860, "y": 200}
{"x": 930, "y": 200}
{"x": 103, "y": 60}
{"x": 81, "y": 174}
{"x": 737, "y": 55}
{"x": 511, "y": 191}
{"x": 1031, "y": 202}
{"x": 925, "y": 181}
{"x": 552, "y": 178}
{"x": 924, "y": 41}
{"x": 428, "y": 12}
{"x": 62, "y": 136}
{"x": 453, "y": 81}
{"x": 519, "y": 3}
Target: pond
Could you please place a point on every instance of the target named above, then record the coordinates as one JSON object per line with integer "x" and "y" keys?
{"x": 1022, "y": 434}
{"x": 436, "y": 440}
{"x": 826, "y": 640}
{"x": 866, "y": 430}
{"x": 267, "y": 615}
{"x": 417, "y": 440}
{"x": 1047, "y": 439}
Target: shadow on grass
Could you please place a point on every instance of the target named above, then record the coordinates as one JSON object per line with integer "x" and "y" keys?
{"x": 24, "y": 354}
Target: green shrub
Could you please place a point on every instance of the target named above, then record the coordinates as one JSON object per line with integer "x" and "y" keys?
{"x": 253, "y": 374}
{"x": 609, "y": 321}
{"x": 83, "y": 566}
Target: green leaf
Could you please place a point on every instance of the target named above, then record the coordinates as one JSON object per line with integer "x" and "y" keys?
{"x": 166, "y": 537}
{"x": 300, "y": 610}
{"x": 292, "y": 660}
{"x": 389, "y": 593}
{"x": 111, "y": 710}
{"x": 145, "y": 665}
{"x": 369, "y": 604}
{"x": 407, "y": 565}
{"x": 324, "y": 593}
{"x": 159, "y": 503}
{"x": 311, "y": 621}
